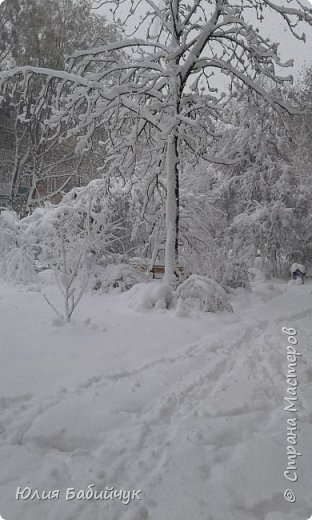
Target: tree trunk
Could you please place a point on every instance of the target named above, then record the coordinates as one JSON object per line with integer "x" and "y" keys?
{"x": 172, "y": 211}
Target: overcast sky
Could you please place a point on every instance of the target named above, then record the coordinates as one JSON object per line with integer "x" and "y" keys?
{"x": 276, "y": 29}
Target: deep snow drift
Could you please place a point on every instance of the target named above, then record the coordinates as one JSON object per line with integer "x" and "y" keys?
{"x": 189, "y": 410}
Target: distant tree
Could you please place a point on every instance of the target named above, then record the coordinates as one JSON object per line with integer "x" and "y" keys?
{"x": 5, "y": 35}
{"x": 42, "y": 33}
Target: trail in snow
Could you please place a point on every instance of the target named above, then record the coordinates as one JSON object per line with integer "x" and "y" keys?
{"x": 194, "y": 417}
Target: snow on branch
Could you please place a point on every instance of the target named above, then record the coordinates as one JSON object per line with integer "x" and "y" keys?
{"x": 158, "y": 92}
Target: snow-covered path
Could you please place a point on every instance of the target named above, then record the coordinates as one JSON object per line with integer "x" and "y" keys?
{"x": 188, "y": 410}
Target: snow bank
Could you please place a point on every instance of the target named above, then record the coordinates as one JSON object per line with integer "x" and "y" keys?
{"x": 203, "y": 293}
{"x": 197, "y": 292}
{"x": 190, "y": 411}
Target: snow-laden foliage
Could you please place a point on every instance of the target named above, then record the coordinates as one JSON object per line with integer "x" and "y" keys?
{"x": 147, "y": 296}
{"x": 236, "y": 275}
{"x": 204, "y": 294}
{"x": 85, "y": 214}
{"x": 62, "y": 236}
{"x": 158, "y": 100}
{"x": 9, "y": 234}
{"x": 60, "y": 243}
{"x": 120, "y": 276}
{"x": 201, "y": 222}
{"x": 260, "y": 193}
{"x": 36, "y": 164}
{"x": 16, "y": 264}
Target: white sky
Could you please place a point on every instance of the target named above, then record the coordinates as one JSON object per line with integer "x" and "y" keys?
{"x": 276, "y": 29}
{"x": 289, "y": 47}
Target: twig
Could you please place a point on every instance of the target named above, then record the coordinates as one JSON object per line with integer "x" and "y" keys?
{"x": 51, "y": 305}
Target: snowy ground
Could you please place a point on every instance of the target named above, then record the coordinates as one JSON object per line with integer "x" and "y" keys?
{"x": 188, "y": 410}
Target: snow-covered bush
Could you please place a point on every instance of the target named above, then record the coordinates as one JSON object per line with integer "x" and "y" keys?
{"x": 119, "y": 276}
{"x": 236, "y": 275}
{"x": 16, "y": 265}
{"x": 58, "y": 241}
{"x": 9, "y": 232}
{"x": 147, "y": 296}
{"x": 204, "y": 294}
{"x": 86, "y": 213}
{"x": 64, "y": 236}
{"x": 256, "y": 275}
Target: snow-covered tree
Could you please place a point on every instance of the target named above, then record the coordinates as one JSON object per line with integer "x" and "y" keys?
{"x": 266, "y": 194}
{"x": 301, "y": 154}
{"x": 39, "y": 166}
{"x": 43, "y": 32}
{"x": 160, "y": 101}
{"x": 258, "y": 193}
{"x": 5, "y": 35}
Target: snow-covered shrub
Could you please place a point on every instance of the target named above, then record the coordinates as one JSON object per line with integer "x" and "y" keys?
{"x": 9, "y": 232}
{"x": 119, "y": 276}
{"x": 256, "y": 275}
{"x": 16, "y": 265}
{"x": 63, "y": 237}
{"x": 203, "y": 293}
{"x": 68, "y": 263}
{"x": 236, "y": 275}
{"x": 59, "y": 242}
{"x": 152, "y": 295}
{"x": 84, "y": 213}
